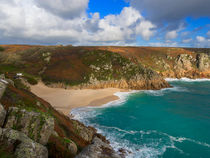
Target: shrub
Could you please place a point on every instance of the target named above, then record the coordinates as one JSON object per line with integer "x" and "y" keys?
{"x": 1, "y": 49}
{"x": 31, "y": 80}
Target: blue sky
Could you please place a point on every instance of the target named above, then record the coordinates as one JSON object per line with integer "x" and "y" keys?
{"x": 106, "y": 7}
{"x": 106, "y": 22}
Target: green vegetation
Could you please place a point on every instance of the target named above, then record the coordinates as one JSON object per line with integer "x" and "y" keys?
{"x": 5, "y": 154}
{"x": 107, "y": 65}
{"x": 1, "y": 49}
{"x": 20, "y": 85}
{"x": 8, "y": 68}
{"x": 30, "y": 79}
{"x": 67, "y": 140}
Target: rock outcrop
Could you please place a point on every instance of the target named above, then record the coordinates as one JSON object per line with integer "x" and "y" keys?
{"x": 86, "y": 133}
{"x": 2, "y": 87}
{"x": 203, "y": 62}
{"x": 35, "y": 125}
{"x": 98, "y": 149}
{"x": 190, "y": 66}
{"x": 2, "y": 115}
{"x": 72, "y": 147}
{"x": 21, "y": 145}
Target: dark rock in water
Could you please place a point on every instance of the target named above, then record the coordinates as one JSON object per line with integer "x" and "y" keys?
{"x": 37, "y": 126}
{"x": 98, "y": 149}
{"x": 21, "y": 145}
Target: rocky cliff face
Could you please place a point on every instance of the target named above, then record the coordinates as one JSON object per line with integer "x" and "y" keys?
{"x": 203, "y": 62}
{"x": 16, "y": 142}
{"x": 105, "y": 69}
{"x": 191, "y": 66}
{"x": 169, "y": 62}
{"x": 31, "y": 128}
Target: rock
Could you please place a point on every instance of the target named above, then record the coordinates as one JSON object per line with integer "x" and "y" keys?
{"x": 21, "y": 145}
{"x": 31, "y": 150}
{"x": 72, "y": 147}
{"x": 2, "y": 115}
{"x": 10, "y": 82}
{"x": 2, "y": 76}
{"x": 2, "y": 88}
{"x": 86, "y": 133}
{"x": 35, "y": 125}
{"x": 203, "y": 62}
{"x": 183, "y": 61}
{"x": 98, "y": 149}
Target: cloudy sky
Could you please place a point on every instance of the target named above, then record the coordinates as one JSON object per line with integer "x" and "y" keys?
{"x": 184, "y": 23}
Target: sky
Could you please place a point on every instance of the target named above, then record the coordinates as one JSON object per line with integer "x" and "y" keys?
{"x": 166, "y": 23}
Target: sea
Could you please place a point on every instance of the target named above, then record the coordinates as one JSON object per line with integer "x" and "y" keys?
{"x": 168, "y": 123}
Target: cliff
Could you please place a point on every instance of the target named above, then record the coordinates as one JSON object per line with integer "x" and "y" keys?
{"x": 101, "y": 67}
{"x": 170, "y": 62}
{"x": 78, "y": 67}
{"x": 31, "y": 128}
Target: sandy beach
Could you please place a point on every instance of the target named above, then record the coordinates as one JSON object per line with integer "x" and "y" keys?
{"x": 64, "y": 100}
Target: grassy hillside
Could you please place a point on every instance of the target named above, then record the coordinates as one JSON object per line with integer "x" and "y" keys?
{"x": 66, "y": 130}
{"x": 85, "y": 65}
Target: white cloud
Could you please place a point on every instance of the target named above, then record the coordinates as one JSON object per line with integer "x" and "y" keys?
{"x": 164, "y": 44}
{"x": 200, "y": 38}
{"x": 208, "y": 33}
{"x": 145, "y": 29}
{"x": 202, "y": 41}
{"x": 171, "y": 34}
{"x": 64, "y": 8}
{"x": 187, "y": 40}
{"x": 24, "y": 20}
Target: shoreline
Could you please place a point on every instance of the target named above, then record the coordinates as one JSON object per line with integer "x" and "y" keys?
{"x": 64, "y": 100}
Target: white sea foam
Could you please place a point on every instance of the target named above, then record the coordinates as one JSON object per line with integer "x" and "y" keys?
{"x": 82, "y": 114}
{"x": 184, "y": 79}
{"x": 154, "y": 148}
{"x": 165, "y": 90}
{"x": 115, "y": 135}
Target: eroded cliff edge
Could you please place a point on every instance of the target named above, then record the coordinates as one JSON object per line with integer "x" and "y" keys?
{"x": 31, "y": 128}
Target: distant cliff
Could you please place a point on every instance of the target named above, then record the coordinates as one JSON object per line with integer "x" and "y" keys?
{"x": 78, "y": 67}
{"x": 169, "y": 62}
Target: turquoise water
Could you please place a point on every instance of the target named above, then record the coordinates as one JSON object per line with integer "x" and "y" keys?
{"x": 168, "y": 123}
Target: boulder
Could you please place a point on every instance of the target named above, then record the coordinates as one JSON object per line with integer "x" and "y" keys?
{"x": 2, "y": 115}
{"x": 21, "y": 145}
{"x": 35, "y": 125}
{"x": 98, "y": 149}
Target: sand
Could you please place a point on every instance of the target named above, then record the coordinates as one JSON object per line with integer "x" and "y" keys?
{"x": 64, "y": 100}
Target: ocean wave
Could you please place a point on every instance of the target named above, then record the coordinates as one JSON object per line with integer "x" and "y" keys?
{"x": 165, "y": 90}
{"x": 184, "y": 79}
{"x": 154, "y": 148}
{"x": 83, "y": 113}
{"x": 156, "y": 143}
